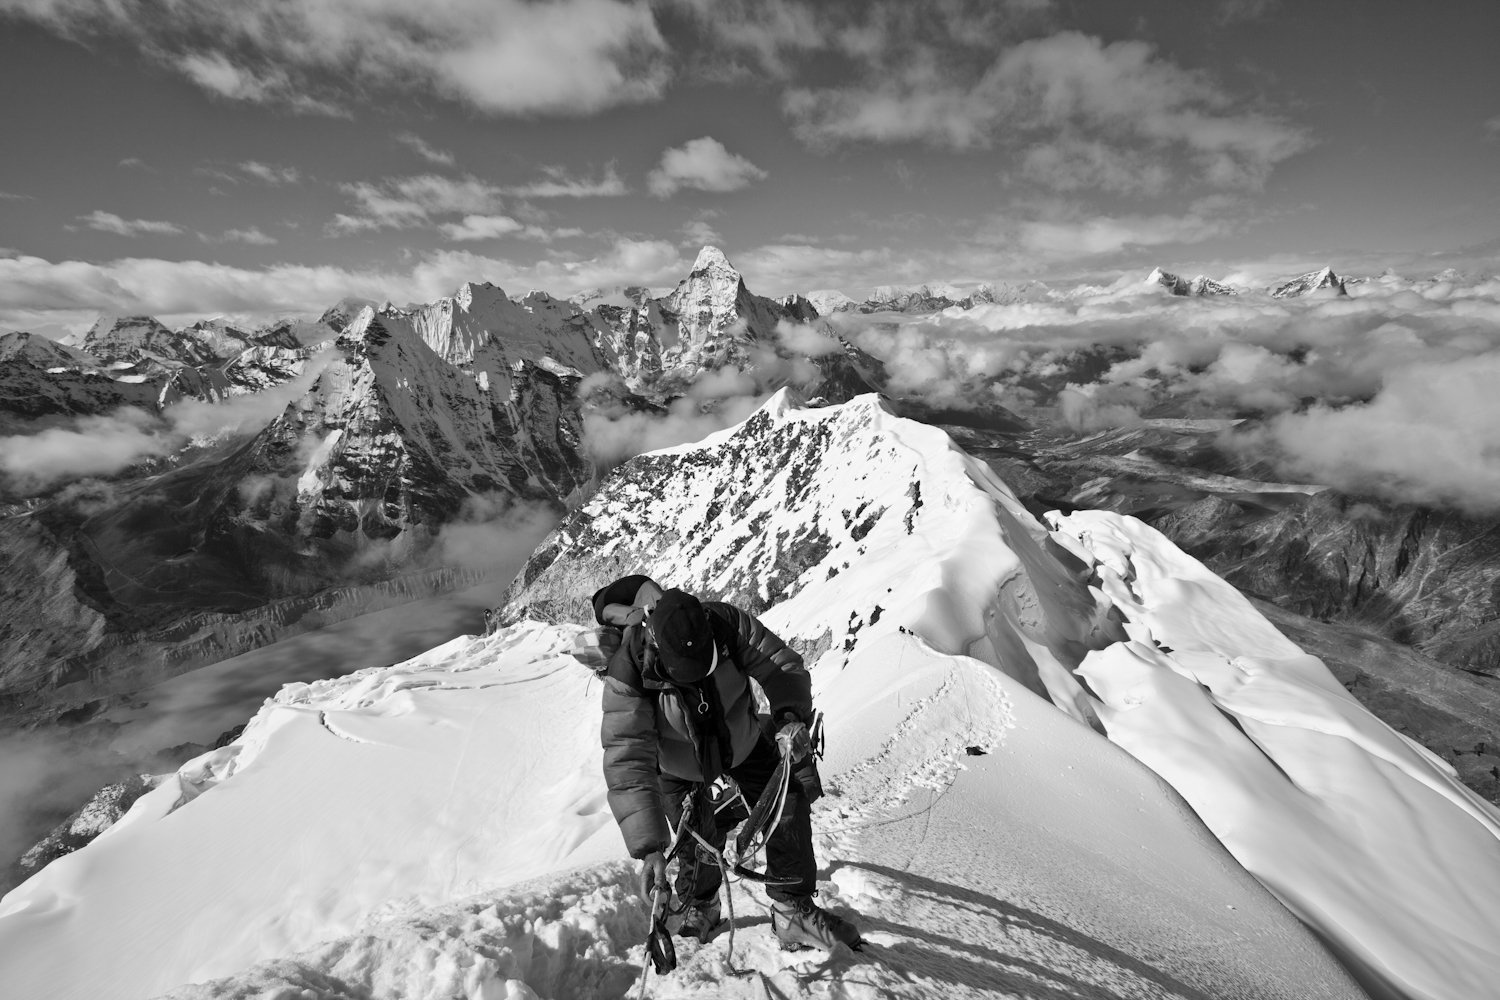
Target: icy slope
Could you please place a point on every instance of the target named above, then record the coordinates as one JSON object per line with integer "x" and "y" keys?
{"x": 1363, "y": 833}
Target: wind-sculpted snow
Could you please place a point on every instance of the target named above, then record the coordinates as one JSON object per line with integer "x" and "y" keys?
{"x": 437, "y": 828}
{"x": 1363, "y": 833}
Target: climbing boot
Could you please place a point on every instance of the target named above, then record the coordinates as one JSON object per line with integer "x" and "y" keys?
{"x": 801, "y": 923}
{"x": 701, "y": 919}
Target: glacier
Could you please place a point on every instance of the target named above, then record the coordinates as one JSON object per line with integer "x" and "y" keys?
{"x": 1058, "y": 753}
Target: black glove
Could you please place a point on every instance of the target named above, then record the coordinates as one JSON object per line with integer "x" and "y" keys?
{"x": 793, "y": 739}
{"x": 653, "y": 875}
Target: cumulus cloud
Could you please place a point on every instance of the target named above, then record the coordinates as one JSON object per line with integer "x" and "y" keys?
{"x": 108, "y": 222}
{"x": 701, "y": 164}
{"x": 811, "y": 339}
{"x": 615, "y": 436}
{"x": 1430, "y": 435}
{"x": 510, "y": 57}
{"x": 492, "y": 533}
{"x": 431, "y": 154}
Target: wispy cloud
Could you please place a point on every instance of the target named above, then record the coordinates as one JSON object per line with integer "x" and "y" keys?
{"x": 402, "y": 202}
{"x": 1491, "y": 129}
{"x": 108, "y": 222}
{"x": 703, "y": 165}
{"x": 221, "y": 76}
{"x": 9, "y": 196}
{"x": 1235, "y": 11}
{"x": 431, "y": 154}
{"x": 253, "y": 236}
{"x": 270, "y": 174}
{"x": 490, "y": 227}
{"x": 559, "y": 183}
{"x": 136, "y": 163}
{"x": 500, "y": 56}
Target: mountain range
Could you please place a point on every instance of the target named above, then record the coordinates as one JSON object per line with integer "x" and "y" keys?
{"x": 367, "y": 441}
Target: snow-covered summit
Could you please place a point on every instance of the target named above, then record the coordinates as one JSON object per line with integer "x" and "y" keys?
{"x": 1310, "y": 282}
{"x": 1176, "y": 284}
{"x": 830, "y": 300}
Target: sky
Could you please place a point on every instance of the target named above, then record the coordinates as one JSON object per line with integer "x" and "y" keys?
{"x": 270, "y": 157}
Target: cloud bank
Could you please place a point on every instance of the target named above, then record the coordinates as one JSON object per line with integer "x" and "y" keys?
{"x": 1381, "y": 393}
{"x": 106, "y": 444}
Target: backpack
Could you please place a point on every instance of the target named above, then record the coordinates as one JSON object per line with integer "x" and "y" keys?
{"x": 621, "y": 603}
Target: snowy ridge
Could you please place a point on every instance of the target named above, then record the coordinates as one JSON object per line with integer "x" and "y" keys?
{"x": 380, "y": 835}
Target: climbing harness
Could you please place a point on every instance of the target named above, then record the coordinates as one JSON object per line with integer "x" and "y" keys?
{"x": 734, "y": 859}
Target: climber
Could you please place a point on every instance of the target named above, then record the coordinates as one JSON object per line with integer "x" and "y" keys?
{"x": 680, "y": 719}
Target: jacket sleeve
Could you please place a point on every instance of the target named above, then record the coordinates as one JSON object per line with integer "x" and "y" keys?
{"x": 628, "y": 733}
{"x": 775, "y": 666}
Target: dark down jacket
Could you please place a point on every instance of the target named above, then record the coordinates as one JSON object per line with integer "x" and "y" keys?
{"x": 652, "y": 725}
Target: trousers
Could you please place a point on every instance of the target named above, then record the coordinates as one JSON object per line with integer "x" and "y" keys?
{"x": 789, "y": 850}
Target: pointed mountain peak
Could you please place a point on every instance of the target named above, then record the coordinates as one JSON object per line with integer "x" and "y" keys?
{"x": 712, "y": 257}
{"x": 1310, "y": 282}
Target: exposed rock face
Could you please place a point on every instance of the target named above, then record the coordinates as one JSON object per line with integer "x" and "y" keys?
{"x": 481, "y": 319}
{"x": 1203, "y": 285}
{"x": 400, "y": 438}
{"x": 40, "y": 379}
{"x": 717, "y": 317}
{"x": 131, "y": 338}
{"x": 260, "y": 368}
{"x": 97, "y": 815}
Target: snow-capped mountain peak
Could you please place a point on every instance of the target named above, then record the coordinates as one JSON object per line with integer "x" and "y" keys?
{"x": 1312, "y": 281}
{"x": 1202, "y": 285}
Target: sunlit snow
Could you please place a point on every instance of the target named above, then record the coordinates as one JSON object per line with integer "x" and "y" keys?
{"x": 437, "y": 828}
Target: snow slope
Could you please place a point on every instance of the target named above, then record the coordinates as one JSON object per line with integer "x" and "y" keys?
{"x": 437, "y": 828}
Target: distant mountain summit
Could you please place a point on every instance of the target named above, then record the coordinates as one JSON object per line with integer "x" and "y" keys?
{"x": 1312, "y": 281}
{"x": 1200, "y": 286}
